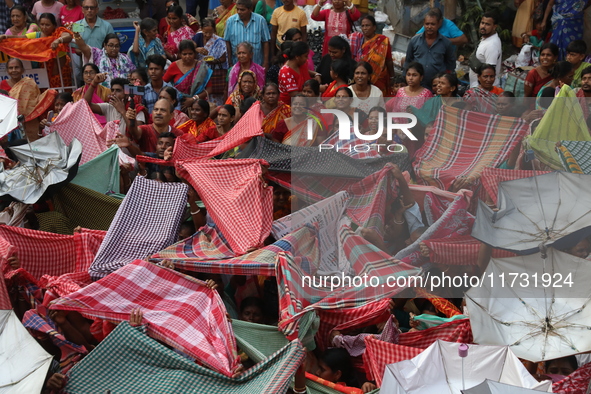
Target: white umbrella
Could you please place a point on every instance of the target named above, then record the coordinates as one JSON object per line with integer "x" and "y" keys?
{"x": 539, "y": 307}
{"x": 23, "y": 362}
{"x": 439, "y": 370}
{"x": 8, "y": 115}
{"x": 42, "y": 163}
{"x": 492, "y": 387}
{"x": 537, "y": 212}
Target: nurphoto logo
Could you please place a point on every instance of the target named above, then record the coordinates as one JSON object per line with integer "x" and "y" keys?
{"x": 346, "y": 125}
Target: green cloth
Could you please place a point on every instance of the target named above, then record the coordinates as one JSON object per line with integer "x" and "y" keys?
{"x": 128, "y": 361}
{"x": 428, "y": 112}
{"x": 85, "y": 207}
{"x": 54, "y": 222}
{"x": 575, "y": 156}
{"x": 259, "y": 10}
{"x": 101, "y": 174}
{"x": 577, "y": 77}
{"x": 564, "y": 120}
{"x": 258, "y": 341}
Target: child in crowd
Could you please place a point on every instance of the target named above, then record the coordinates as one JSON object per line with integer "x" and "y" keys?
{"x": 47, "y": 6}
{"x": 252, "y": 310}
{"x": 60, "y": 102}
{"x": 576, "y": 51}
{"x": 138, "y": 77}
{"x": 71, "y": 12}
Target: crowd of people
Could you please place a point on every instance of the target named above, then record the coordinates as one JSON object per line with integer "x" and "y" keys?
{"x": 194, "y": 79}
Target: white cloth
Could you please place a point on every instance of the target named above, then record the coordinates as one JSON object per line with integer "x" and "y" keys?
{"x": 375, "y": 99}
{"x": 413, "y": 218}
{"x": 111, "y": 113}
{"x": 490, "y": 51}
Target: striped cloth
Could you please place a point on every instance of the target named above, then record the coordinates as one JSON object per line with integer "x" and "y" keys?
{"x": 491, "y": 177}
{"x": 445, "y": 219}
{"x": 297, "y": 297}
{"x": 464, "y": 143}
{"x": 575, "y": 156}
{"x": 85, "y": 207}
{"x": 236, "y": 197}
{"x": 378, "y": 354}
{"x": 147, "y": 221}
{"x": 564, "y": 120}
{"x": 131, "y": 362}
{"x": 42, "y": 253}
{"x": 206, "y": 251}
{"x": 179, "y": 310}
{"x": 459, "y": 251}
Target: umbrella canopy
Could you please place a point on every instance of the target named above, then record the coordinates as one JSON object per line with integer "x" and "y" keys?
{"x": 438, "y": 369}
{"x": 535, "y": 317}
{"x": 23, "y": 362}
{"x": 42, "y": 163}
{"x": 543, "y": 210}
{"x": 8, "y": 115}
{"x": 492, "y": 387}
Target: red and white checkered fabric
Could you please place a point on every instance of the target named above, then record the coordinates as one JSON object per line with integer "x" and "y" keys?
{"x": 378, "y": 354}
{"x": 454, "y": 331}
{"x": 76, "y": 120}
{"x": 236, "y": 196}
{"x": 459, "y": 250}
{"x": 185, "y": 147}
{"x": 178, "y": 310}
{"x": 491, "y": 177}
{"x": 4, "y": 297}
{"x": 248, "y": 126}
{"x": 575, "y": 383}
{"x": 41, "y": 253}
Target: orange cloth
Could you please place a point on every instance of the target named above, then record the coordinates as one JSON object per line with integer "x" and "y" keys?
{"x": 38, "y": 49}
{"x": 191, "y": 128}
{"x": 270, "y": 121}
{"x": 441, "y": 304}
{"x": 336, "y": 386}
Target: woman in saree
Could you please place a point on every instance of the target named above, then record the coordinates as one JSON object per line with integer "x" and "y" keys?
{"x": 176, "y": 32}
{"x": 188, "y": 75}
{"x": 108, "y": 59}
{"x": 562, "y": 74}
{"x": 55, "y": 38}
{"x": 244, "y": 55}
{"x": 225, "y": 117}
{"x": 294, "y": 130}
{"x": 101, "y": 93}
{"x": 376, "y": 50}
{"x": 145, "y": 42}
{"x": 200, "y": 122}
{"x": 567, "y": 22}
{"x": 178, "y": 117}
{"x": 247, "y": 87}
{"x": 221, "y": 15}
{"x": 31, "y": 103}
{"x": 212, "y": 49}
{"x": 483, "y": 97}
{"x": 273, "y": 110}
{"x": 20, "y": 22}
{"x": 366, "y": 95}
{"x": 447, "y": 94}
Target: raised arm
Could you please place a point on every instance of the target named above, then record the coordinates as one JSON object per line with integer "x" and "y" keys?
{"x": 98, "y": 79}
{"x": 136, "y": 39}
{"x": 83, "y": 47}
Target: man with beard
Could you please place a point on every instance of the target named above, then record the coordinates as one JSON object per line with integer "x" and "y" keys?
{"x": 434, "y": 51}
{"x": 146, "y": 136}
{"x": 489, "y": 50}
{"x": 584, "y": 92}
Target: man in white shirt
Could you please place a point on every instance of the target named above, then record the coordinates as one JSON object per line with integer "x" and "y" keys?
{"x": 490, "y": 49}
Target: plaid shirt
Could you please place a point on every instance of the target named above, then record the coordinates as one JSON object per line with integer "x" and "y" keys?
{"x": 5, "y": 21}
{"x": 150, "y": 96}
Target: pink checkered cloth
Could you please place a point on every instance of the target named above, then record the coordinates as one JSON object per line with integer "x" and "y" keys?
{"x": 378, "y": 353}
{"x": 178, "y": 310}
{"x": 461, "y": 250}
{"x": 575, "y": 383}
{"x": 4, "y": 297}
{"x": 147, "y": 221}
{"x": 491, "y": 177}
{"x": 41, "y": 253}
{"x": 76, "y": 120}
{"x": 236, "y": 196}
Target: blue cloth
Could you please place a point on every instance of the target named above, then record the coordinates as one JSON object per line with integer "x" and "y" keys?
{"x": 567, "y": 23}
{"x": 95, "y": 36}
{"x": 150, "y": 96}
{"x": 255, "y": 32}
{"x": 440, "y": 57}
{"x": 448, "y": 29}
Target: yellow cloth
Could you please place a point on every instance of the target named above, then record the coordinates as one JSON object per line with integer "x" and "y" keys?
{"x": 285, "y": 20}
{"x": 523, "y": 21}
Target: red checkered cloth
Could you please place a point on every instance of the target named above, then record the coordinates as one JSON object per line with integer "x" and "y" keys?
{"x": 464, "y": 143}
{"x": 186, "y": 147}
{"x": 4, "y": 297}
{"x": 355, "y": 344}
{"x": 459, "y": 251}
{"x": 378, "y": 353}
{"x": 42, "y": 253}
{"x": 178, "y": 310}
{"x": 60, "y": 286}
{"x": 76, "y": 120}
{"x": 147, "y": 221}
{"x": 236, "y": 196}
{"x": 248, "y": 127}
{"x": 575, "y": 383}
{"x": 420, "y": 191}
{"x": 491, "y": 177}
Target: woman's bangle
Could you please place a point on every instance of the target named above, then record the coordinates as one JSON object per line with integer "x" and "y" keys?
{"x": 300, "y": 391}
{"x": 401, "y": 222}
{"x": 196, "y": 212}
